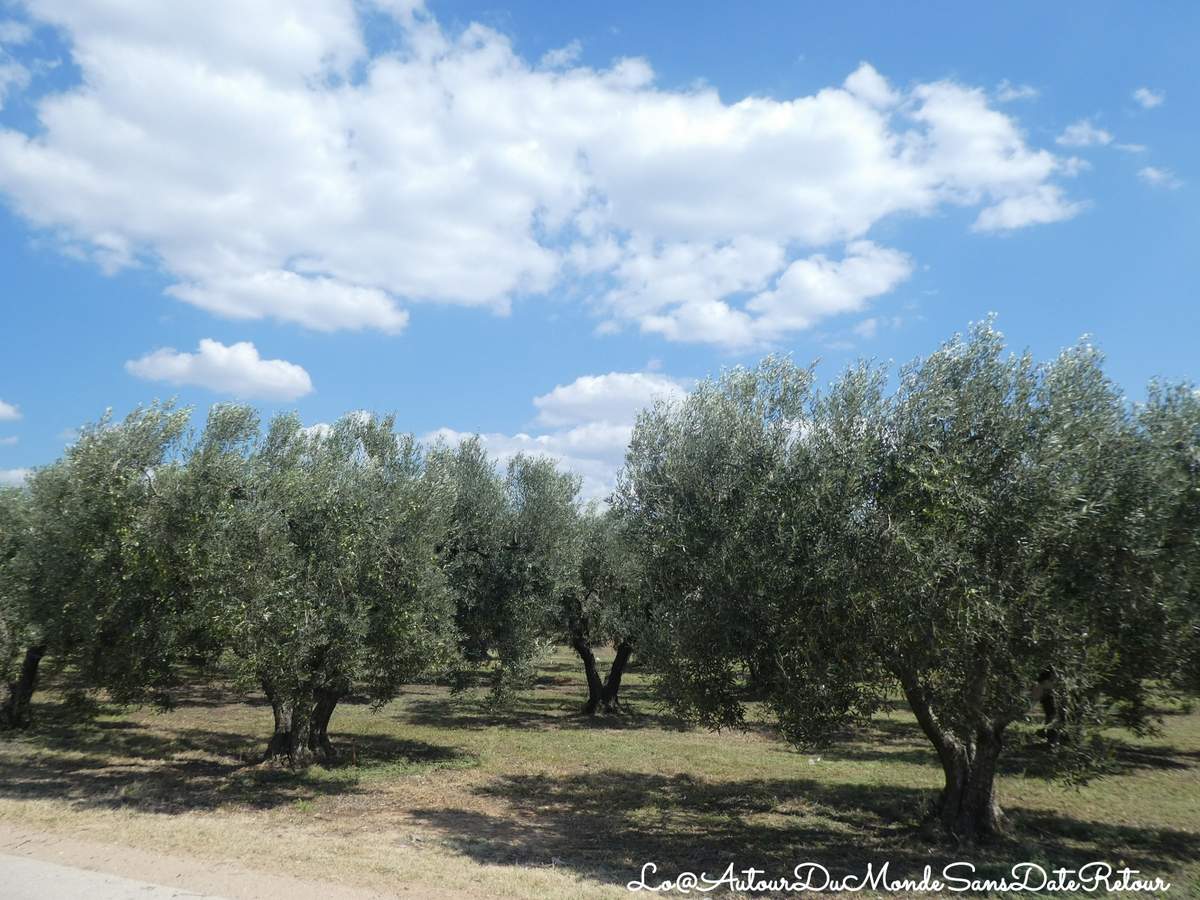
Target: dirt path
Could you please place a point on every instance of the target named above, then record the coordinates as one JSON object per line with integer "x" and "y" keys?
{"x": 49, "y": 866}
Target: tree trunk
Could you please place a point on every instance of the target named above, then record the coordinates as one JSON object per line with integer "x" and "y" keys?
{"x": 968, "y": 807}
{"x": 1051, "y": 710}
{"x": 293, "y": 723}
{"x": 595, "y": 687}
{"x": 318, "y": 731}
{"x": 612, "y": 686}
{"x": 15, "y": 711}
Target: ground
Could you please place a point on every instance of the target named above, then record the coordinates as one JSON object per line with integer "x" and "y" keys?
{"x": 443, "y": 796}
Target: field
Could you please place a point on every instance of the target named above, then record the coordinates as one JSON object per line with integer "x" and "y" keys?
{"x": 441, "y": 795}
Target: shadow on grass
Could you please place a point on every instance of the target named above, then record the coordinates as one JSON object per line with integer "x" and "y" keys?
{"x": 564, "y": 711}
{"x": 606, "y": 825}
{"x": 1026, "y": 753}
{"x": 100, "y": 763}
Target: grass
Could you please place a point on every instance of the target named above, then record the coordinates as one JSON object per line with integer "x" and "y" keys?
{"x": 440, "y": 793}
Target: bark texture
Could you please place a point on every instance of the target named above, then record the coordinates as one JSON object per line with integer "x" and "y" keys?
{"x": 15, "y": 710}
{"x": 301, "y": 734}
{"x": 968, "y": 807}
{"x": 612, "y": 685}
{"x": 318, "y": 731}
{"x": 595, "y": 687}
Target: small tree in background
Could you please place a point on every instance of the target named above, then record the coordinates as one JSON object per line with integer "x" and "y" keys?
{"x": 957, "y": 539}
{"x": 511, "y": 554}
{"x": 1169, "y": 420}
{"x": 605, "y": 606}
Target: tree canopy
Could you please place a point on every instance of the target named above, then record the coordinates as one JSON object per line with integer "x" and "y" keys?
{"x": 986, "y": 531}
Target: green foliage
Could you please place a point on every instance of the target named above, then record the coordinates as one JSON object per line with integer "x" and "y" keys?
{"x": 14, "y": 617}
{"x": 607, "y": 602}
{"x": 989, "y": 525}
{"x": 319, "y": 555}
{"x": 90, "y": 574}
{"x": 510, "y": 556}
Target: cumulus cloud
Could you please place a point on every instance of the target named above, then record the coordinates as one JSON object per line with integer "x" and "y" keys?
{"x": 9, "y": 412}
{"x": 616, "y": 397}
{"x": 14, "y": 477}
{"x": 237, "y": 370}
{"x": 1083, "y": 134}
{"x": 1160, "y": 178}
{"x": 812, "y": 289}
{"x": 291, "y": 173}
{"x": 587, "y": 423}
{"x": 1149, "y": 99}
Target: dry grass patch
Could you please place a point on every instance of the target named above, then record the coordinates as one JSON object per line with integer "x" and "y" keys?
{"x": 438, "y": 793}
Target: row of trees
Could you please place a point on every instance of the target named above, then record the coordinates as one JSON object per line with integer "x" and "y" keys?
{"x": 985, "y": 533}
{"x": 307, "y": 562}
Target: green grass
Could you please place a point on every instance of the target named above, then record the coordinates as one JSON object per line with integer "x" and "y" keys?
{"x": 537, "y": 800}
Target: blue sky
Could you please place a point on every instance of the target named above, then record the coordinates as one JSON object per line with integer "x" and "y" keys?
{"x": 526, "y": 219}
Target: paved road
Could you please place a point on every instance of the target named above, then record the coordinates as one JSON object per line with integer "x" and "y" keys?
{"x": 23, "y": 878}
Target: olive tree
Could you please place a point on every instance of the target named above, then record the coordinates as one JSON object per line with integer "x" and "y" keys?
{"x": 322, "y": 574}
{"x": 86, "y": 576}
{"x": 19, "y": 656}
{"x": 510, "y": 555}
{"x": 984, "y": 524}
{"x": 603, "y": 606}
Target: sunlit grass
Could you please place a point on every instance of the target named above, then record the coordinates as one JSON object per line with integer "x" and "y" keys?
{"x": 449, "y": 792}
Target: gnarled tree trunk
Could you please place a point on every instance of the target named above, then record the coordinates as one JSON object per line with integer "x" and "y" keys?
{"x": 293, "y": 723}
{"x": 612, "y": 685}
{"x": 595, "y": 687}
{"x": 14, "y": 711}
{"x": 968, "y": 807}
{"x": 318, "y": 732}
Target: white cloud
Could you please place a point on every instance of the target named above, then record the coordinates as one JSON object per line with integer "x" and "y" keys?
{"x": 14, "y": 477}
{"x": 1044, "y": 205}
{"x": 1083, "y": 134}
{"x": 9, "y": 441}
{"x": 561, "y": 57}
{"x": 1160, "y": 178}
{"x": 1149, "y": 99}
{"x": 236, "y": 370}
{"x": 815, "y": 288}
{"x": 588, "y": 425}
{"x": 1074, "y": 165}
{"x": 1007, "y": 92}
{"x": 867, "y": 84}
{"x": 323, "y": 304}
{"x": 615, "y": 397}
{"x": 9, "y": 412}
{"x": 286, "y": 173}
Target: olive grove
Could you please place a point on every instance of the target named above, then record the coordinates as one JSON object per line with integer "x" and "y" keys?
{"x": 993, "y": 539}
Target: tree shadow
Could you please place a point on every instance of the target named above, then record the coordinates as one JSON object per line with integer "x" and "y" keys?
{"x": 1026, "y": 752}
{"x": 124, "y": 764}
{"x": 540, "y": 713}
{"x": 607, "y": 825}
